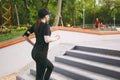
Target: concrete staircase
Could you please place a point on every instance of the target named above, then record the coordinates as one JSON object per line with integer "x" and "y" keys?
{"x": 83, "y": 63}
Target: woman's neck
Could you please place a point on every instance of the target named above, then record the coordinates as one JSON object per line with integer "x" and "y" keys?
{"x": 43, "y": 20}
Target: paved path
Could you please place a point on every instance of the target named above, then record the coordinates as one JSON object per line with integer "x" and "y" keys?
{"x": 13, "y": 58}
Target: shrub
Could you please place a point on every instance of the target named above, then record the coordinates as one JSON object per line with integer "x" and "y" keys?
{"x": 21, "y": 28}
{"x": 3, "y": 31}
{"x": 12, "y": 29}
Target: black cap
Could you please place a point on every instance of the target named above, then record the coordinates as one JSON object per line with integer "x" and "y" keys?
{"x": 43, "y": 12}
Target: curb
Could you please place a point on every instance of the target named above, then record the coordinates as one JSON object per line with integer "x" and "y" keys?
{"x": 89, "y": 31}
{"x": 5, "y": 44}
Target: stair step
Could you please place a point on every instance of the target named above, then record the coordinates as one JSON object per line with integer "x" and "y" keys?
{"x": 54, "y": 75}
{"x": 25, "y": 76}
{"x": 107, "y": 59}
{"x": 79, "y": 74}
{"x": 96, "y": 54}
{"x": 58, "y": 76}
{"x": 100, "y": 68}
{"x": 97, "y": 50}
{"x": 33, "y": 71}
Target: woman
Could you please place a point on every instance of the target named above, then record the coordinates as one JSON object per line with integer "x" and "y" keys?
{"x": 97, "y": 23}
{"x": 39, "y": 53}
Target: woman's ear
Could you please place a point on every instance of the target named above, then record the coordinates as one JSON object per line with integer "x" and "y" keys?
{"x": 47, "y": 17}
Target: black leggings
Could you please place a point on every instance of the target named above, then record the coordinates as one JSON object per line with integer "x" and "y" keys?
{"x": 43, "y": 69}
{"x": 43, "y": 66}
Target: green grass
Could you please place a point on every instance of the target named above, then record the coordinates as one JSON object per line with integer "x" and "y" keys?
{"x": 12, "y": 35}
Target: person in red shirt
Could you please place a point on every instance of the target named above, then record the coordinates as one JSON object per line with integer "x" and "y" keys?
{"x": 97, "y": 23}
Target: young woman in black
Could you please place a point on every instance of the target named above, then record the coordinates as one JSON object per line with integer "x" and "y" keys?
{"x": 39, "y": 52}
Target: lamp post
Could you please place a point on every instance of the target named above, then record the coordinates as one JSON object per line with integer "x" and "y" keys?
{"x": 114, "y": 20}
{"x": 83, "y": 14}
{"x": 114, "y": 17}
{"x": 114, "y": 13}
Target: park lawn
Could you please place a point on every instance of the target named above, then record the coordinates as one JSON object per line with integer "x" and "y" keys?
{"x": 12, "y": 35}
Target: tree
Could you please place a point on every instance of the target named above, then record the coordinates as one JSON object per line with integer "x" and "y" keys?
{"x": 58, "y": 13}
{"x": 27, "y": 10}
{"x": 17, "y": 15}
{"x": 71, "y": 11}
{"x": 44, "y": 3}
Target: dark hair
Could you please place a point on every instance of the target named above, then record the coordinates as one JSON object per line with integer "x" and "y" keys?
{"x": 41, "y": 14}
{"x": 37, "y": 25}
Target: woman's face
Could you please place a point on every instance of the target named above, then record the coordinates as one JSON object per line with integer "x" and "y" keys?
{"x": 47, "y": 17}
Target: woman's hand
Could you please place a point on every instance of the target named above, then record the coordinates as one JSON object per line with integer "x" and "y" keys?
{"x": 57, "y": 37}
{"x": 49, "y": 39}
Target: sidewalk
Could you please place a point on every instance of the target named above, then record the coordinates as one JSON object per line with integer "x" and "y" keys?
{"x": 19, "y": 55}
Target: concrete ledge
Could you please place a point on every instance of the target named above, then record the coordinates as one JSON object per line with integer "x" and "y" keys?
{"x": 8, "y": 43}
{"x": 5, "y": 44}
{"x": 90, "y": 31}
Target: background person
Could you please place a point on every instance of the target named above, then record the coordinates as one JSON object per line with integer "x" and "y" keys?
{"x": 97, "y": 23}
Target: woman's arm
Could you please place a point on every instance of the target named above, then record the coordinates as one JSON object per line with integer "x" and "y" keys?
{"x": 49, "y": 39}
{"x": 27, "y": 34}
{"x": 28, "y": 39}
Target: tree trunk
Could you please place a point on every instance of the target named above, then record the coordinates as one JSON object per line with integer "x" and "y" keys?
{"x": 27, "y": 11}
{"x": 17, "y": 15}
{"x": 73, "y": 16}
{"x": 0, "y": 14}
{"x": 94, "y": 16}
{"x": 58, "y": 13}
